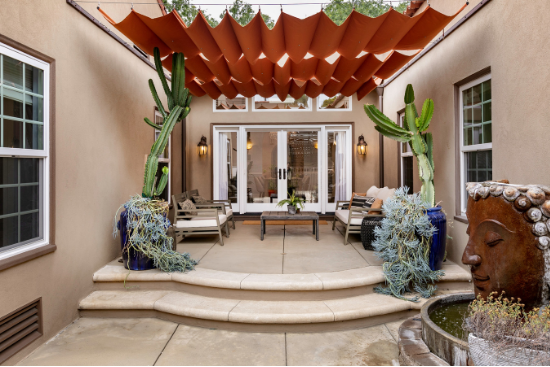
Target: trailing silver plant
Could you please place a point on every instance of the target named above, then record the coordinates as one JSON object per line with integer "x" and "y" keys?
{"x": 403, "y": 241}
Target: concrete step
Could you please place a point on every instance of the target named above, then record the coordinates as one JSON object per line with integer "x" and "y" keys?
{"x": 249, "y": 315}
{"x": 264, "y": 287}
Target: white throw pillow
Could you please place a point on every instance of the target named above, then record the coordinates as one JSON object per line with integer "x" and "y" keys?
{"x": 373, "y": 191}
{"x": 385, "y": 193}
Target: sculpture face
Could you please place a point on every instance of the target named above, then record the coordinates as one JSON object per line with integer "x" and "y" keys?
{"x": 502, "y": 252}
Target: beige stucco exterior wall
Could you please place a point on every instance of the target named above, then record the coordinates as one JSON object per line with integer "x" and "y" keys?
{"x": 100, "y": 146}
{"x": 199, "y": 168}
{"x": 510, "y": 38}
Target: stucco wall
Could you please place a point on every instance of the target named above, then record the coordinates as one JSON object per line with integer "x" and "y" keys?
{"x": 100, "y": 144}
{"x": 510, "y": 38}
{"x": 199, "y": 168}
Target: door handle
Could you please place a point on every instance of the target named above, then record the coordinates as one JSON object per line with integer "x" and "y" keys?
{"x": 284, "y": 173}
{"x": 279, "y": 173}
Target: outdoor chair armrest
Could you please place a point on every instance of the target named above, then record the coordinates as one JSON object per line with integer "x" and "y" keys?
{"x": 199, "y": 211}
{"x": 219, "y": 206}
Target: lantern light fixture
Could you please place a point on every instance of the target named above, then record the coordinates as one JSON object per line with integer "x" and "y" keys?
{"x": 362, "y": 146}
{"x": 203, "y": 146}
{"x": 248, "y": 142}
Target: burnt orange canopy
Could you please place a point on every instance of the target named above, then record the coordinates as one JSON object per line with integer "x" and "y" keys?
{"x": 312, "y": 55}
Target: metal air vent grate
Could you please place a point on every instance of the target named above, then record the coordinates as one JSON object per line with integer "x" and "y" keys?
{"x": 20, "y": 328}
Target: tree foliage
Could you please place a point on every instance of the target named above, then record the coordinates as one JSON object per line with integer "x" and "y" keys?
{"x": 187, "y": 11}
{"x": 339, "y": 10}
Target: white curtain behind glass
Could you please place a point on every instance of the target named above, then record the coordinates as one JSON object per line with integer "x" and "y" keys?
{"x": 340, "y": 167}
{"x": 223, "y": 167}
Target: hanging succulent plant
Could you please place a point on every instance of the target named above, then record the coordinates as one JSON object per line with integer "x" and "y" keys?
{"x": 412, "y": 132}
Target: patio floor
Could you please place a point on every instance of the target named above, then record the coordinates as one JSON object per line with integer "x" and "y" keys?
{"x": 156, "y": 342}
{"x": 286, "y": 249}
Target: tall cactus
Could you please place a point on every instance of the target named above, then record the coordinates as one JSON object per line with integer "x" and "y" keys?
{"x": 179, "y": 100}
{"x": 412, "y": 132}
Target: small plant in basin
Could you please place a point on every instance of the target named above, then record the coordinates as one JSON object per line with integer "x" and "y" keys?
{"x": 293, "y": 202}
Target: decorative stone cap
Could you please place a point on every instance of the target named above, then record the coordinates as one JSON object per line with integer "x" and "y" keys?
{"x": 532, "y": 200}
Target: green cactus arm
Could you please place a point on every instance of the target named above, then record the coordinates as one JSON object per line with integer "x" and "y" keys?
{"x": 399, "y": 138}
{"x": 151, "y": 167}
{"x": 186, "y": 112}
{"x": 424, "y": 168}
{"x": 162, "y": 77}
{"x": 157, "y": 99}
{"x": 383, "y": 121}
{"x": 162, "y": 182}
{"x": 410, "y": 115}
{"x": 166, "y": 130}
{"x": 178, "y": 78}
{"x": 427, "y": 191}
{"x": 150, "y": 123}
{"x": 428, "y": 138}
{"x": 418, "y": 145}
{"x": 426, "y": 115}
{"x": 409, "y": 94}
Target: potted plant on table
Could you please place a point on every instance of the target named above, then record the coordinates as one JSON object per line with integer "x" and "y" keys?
{"x": 414, "y": 133}
{"x": 293, "y": 203}
{"x": 143, "y": 222}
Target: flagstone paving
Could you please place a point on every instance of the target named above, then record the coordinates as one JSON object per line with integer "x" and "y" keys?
{"x": 147, "y": 342}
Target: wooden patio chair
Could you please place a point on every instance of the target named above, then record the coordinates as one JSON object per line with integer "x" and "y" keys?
{"x": 228, "y": 211}
{"x": 352, "y": 218}
{"x": 209, "y": 219}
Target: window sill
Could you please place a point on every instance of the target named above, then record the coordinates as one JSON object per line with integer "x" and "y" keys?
{"x": 26, "y": 256}
{"x": 461, "y": 219}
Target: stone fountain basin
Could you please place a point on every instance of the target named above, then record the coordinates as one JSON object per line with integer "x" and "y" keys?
{"x": 449, "y": 348}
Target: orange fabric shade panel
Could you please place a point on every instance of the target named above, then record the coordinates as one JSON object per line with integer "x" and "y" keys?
{"x": 311, "y": 55}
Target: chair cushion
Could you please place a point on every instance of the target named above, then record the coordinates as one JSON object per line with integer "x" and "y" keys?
{"x": 188, "y": 205}
{"x": 376, "y": 205}
{"x": 362, "y": 201}
{"x": 228, "y": 212}
{"x": 201, "y": 222}
{"x": 343, "y": 216}
{"x": 355, "y": 194}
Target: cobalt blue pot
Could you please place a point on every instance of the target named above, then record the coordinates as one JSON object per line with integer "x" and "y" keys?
{"x": 439, "y": 239}
{"x": 132, "y": 260}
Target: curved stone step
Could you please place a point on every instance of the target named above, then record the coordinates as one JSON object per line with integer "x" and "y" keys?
{"x": 317, "y": 286}
{"x": 365, "y": 310}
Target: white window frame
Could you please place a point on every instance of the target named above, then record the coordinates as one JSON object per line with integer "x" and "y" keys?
{"x": 310, "y": 109}
{"x": 403, "y": 154}
{"x": 469, "y": 148}
{"x": 320, "y": 109}
{"x": 44, "y": 154}
{"x": 214, "y": 109}
{"x": 165, "y": 159}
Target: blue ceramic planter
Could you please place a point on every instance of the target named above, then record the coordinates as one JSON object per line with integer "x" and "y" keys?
{"x": 439, "y": 240}
{"x": 133, "y": 260}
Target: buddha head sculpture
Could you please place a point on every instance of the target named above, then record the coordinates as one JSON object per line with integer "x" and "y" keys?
{"x": 509, "y": 245}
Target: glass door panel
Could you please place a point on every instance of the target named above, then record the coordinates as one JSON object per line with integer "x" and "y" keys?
{"x": 262, "y": 166}
{"x": 303, "y": 166}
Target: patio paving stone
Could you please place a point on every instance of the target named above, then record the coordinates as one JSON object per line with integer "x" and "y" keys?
{"x": 368, "y": 255}
{"x": 370, "y": 346}
{"x": 197, "y": 346}
{"x": 306, "y": 255}
{"x": 103, "y": 342}
{"x": 197, "y": 246}
{"x": 393, "y": 327}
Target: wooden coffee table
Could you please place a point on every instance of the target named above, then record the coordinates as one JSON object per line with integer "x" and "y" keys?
{"x": 285, "y": 216}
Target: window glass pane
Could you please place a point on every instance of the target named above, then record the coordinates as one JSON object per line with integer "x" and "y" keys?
{"x": 8, "y": 231}
{"x": 34, "y": 136}
{"x": 232, "y": 171}
{"x": 8, "y": 171}
{"x": 476, "y": 94}
{"x": 34, "y": 79}
{"x": 34, "y": 108}
{"x": 467, "y": 136}
{"x": 230, "y": 104}
{"x": 338, "y": 102}
{"x": 9, "y": 200}
{"x": 476, "y": 114}
{"x": 13, "y": 72}
{"x": 467, "y": 97}
{"x": 487, "y": 111}
{"x": 487, "y": 133}
{"x": 30, "y": 170}
{"x": 13, "y": 103}
{"x": 481, "y": 160}
{"x": 30, "y": 226}
{"x": 274, "y": 103}
{"x": 13, "y": 134}
{"x": 476, "y": 132}
{"x": 487, "y": 90}
{"x": 262, "y": 167}
{"x": 302, "y": 177}
{"x": 29, "y": 198}
{"x": 331, "y": 151}
{"x": 478, "y": 166}
{"x": 467, "y": 117}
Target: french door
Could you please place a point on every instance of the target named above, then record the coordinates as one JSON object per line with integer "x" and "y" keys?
{"x": 256, "y": 166}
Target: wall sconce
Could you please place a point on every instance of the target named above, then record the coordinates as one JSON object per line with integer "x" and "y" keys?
{"x": 362, "y": 146}
{"x": 203, "y": 146}
{"x": 316, "y": 145}
{"x": 248, "y": 142}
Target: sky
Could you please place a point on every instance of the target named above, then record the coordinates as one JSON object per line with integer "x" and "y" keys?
{"x": 300, "y": 11}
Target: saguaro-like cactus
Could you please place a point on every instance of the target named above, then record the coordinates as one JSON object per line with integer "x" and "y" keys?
{"x": 179, "y": 100}
{"x": 412, "y": 132}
